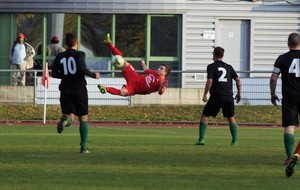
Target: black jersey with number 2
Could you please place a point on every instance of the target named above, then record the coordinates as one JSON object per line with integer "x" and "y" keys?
{"x": 222, "y": 75}
{"x": 70, "y": 66}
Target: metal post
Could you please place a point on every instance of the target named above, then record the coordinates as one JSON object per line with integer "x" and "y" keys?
{"x": 34, "y": 89}
{"x": 44, "y": 40}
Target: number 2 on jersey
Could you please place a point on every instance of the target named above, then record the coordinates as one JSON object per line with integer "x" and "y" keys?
{"x": 69, "y": 65}
{"x": 295, "y": 67}
{"x": 222, "y": 78}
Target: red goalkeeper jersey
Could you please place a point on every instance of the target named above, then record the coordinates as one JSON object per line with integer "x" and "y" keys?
{"x": 142, "y": 84}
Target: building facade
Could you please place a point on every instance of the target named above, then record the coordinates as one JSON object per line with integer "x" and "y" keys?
{"x": 181, "y": 33}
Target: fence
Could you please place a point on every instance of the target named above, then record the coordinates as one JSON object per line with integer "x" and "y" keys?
{"x": 255, "y": 90}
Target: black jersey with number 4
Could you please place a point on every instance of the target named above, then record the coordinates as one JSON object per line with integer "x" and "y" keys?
{"x": 222, "y": 75}
{"x": 70, "y": 66}
{"x": 288, "y": 65}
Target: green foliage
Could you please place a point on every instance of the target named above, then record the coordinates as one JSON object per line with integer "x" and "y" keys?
{"x": 142, "y": 158}
{"x": 244, "y": 114}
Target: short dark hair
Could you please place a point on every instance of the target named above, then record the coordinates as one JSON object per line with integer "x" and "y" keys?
{"x": 71, "y": 39}
{"x": 218, "y": 52}
{"x": 293, "y": 40}
{"x": 168, "y": 69}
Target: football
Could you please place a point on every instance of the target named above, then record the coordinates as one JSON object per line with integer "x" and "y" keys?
{"x": 117, "y": 61}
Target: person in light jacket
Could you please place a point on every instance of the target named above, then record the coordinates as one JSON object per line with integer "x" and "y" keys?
{"x": 21, "y": 57}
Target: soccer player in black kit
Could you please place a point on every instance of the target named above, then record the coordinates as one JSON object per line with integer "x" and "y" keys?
{"x": 219, "y": 85}
{"x": 288, "y": 65}
{"x": 70, "y": 67}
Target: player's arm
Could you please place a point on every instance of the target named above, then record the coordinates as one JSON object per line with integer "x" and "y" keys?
{"x": 273, "y": 83}
{"x": 207, "y": 88}
{"x": 87, "y": 72}
{"x": 84, "y": 69}
{"x": 238, "y": 84}
{"x": 162, "y": 87}
{"x": 142, "y": 62}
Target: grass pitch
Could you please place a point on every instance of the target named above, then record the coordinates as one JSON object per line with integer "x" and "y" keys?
{"x": 36, "y": 157}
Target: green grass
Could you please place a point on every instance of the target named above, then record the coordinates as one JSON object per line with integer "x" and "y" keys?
{"x": 36, "y": 157}
{"x": 244, "y": 114}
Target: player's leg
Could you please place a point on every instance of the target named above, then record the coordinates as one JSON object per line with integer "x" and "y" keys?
{"x": 290, "y": 169}
{"x": 84, "y": 133}
{"x": 293, "y": 112}
{"x": 233, "y": 130}
{"x": 81, "y": 108}
{"x": 130, "y": 76}
{"x": 211, "y": 108}
{"x": 102, "y": 88}
{"x": 61, "y": 123}
{"x": 107, "y": 39}
{"x": 228, "y": 112}
{"x": 113, "y": 49}
{"x": 297, "y": 151}
{"x": 113, "y": 91}
{"x": 122, "y": 92}
{"x": 66, "y": 105}
{"x": 65, "y": 121}
{"x": 70, "y": 120}
{"x": 289, "y": 142}
{"x": 289, "y": 121}
{"x": 202, "y": 129}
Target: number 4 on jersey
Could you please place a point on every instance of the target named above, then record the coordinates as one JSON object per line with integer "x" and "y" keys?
{"x": 295, "y": 67}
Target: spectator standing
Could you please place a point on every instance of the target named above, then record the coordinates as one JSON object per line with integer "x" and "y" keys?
{"x": 53, "y": 49}
{"x": 21, "y": 57}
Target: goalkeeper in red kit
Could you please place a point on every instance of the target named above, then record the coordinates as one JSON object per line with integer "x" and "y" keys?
{"x": 150, "y": 82}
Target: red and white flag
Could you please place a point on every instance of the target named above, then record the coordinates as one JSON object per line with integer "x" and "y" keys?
{"x": 45, "y": 77}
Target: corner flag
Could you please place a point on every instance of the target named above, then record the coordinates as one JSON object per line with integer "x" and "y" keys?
{"x": 45, "y": 77}
{"x": 45, "y": 82}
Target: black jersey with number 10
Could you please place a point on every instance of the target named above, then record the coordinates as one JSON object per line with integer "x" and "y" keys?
{"x": 222, "y": 75}
{"x": 70, "y": 66}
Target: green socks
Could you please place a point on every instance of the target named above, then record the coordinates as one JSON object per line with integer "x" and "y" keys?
{"x": 84, "y": 131}
{"x": 289, "y": 141}
{"x": 233, "y": 130}
{"x": 202, "y": 130}
{"x": 69, "y": 122}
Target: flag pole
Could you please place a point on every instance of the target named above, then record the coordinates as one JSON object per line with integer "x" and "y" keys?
{"x": 45, "y": 103}
{"x": 45, "y": 84}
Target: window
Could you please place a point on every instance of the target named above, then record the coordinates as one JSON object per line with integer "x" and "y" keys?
{"x": 155, "y": 38}
{"x": 130, "y": 34}
{"x": 164, "y": 48}
{"x": 31, "y": 26}
{"x": 164, "y": 36}
{"x": 69, "y": 25}
{"x": 94, "y": 28}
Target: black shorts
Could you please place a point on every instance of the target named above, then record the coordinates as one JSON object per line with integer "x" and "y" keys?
{"x": 290, "y": 111}
{"x": 214, "y": 105}
{"x": 74, "y": 100}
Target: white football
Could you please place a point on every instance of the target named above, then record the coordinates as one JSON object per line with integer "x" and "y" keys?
{"x": 117, "y": 61}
